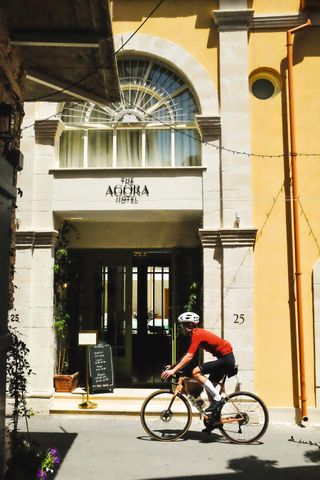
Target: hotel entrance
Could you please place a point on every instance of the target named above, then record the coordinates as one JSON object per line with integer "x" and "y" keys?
{"x": 136, "y": 315}
{"x": 133, "y": 299}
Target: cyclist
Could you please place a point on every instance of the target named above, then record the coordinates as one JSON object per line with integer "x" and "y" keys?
{"x": 218, "y": 347}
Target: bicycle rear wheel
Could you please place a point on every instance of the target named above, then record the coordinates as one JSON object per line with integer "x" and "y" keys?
{"x": 163, "y": 421}
{"x": 244, "y": 417}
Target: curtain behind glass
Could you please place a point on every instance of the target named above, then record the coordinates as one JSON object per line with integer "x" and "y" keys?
{"x": 129, "y": 148}
{"x": 158, "y": 148}
{"x": 187, "y": 148}
{"x": 100, "y": 148}
{"x": 71, "y": 149}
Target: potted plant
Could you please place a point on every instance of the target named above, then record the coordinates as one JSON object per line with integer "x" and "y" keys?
{"x": 63, "y": 381}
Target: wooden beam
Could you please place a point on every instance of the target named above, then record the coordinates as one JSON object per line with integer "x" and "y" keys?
{"x": 54, "y": 38}
{"x": 73, "y": 91}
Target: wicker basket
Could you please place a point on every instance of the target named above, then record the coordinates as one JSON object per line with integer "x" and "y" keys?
{"x": 66, "y": 383}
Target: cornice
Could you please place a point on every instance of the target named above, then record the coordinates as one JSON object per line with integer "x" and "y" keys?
{"x": 32, "y": 239}
{"x": 209, "y": 238}
{"x": 244, "y": 19}
{"x": 230, "y": 20}
{"x": 46, "y": 131}
{"x": 209, "y": 127}
{"x": 228, "y": 237}
{"x": 284, "y": 21}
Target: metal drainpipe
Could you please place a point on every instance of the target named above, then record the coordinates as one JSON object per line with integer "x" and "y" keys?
{"x": 295, "y": 197}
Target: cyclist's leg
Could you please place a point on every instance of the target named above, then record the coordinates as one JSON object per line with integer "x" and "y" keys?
{"x": 216, "y": 370}
{"x": 212, "y": 391}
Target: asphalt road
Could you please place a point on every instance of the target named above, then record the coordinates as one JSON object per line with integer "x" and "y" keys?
{"x": 117, "y": 448}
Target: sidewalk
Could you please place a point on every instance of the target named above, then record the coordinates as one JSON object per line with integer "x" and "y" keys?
{"x": 128, "y": 401}
{"x": 117, "y": 448}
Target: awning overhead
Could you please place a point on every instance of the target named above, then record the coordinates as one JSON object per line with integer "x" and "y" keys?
{"x": 65, "y": 46}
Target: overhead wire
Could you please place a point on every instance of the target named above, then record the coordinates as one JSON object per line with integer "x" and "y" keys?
{"x": 183, "y": 132}
{"x": 172, "y": 127}
{"x": 217, "y": 147}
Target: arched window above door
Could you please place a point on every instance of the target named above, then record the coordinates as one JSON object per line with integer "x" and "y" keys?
{"x": 152, "y": 126}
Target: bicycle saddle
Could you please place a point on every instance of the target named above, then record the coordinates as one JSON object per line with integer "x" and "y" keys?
{"x": 233, "y": 371}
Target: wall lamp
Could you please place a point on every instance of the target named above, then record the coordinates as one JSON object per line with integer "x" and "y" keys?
{"x": 10, "y": 121}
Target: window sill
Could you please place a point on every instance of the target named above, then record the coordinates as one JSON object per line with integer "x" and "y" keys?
{"x": 128, "y": 169}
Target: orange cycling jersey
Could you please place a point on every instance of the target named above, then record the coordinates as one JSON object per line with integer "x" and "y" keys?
{"x": 209, "y": 342}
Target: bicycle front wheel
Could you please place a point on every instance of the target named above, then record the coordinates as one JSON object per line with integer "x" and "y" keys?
{"x": 244, "y": 417}
{"x": 164, "y": 416}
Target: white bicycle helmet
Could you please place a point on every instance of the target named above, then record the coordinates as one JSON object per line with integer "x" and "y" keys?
{"x": 189, "y": 317}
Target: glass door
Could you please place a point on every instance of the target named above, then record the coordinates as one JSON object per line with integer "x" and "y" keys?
{"x": 151, "y": 325}
{"x": 117, "y": 317}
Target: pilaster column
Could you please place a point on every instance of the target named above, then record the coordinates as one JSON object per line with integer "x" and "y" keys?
{"x": 228, "y": 292}
{"x": 210, "y": 131}
{"x": 235, "y": 235}
{"x": 34, "y": 305}
{"x": 35, "y": 241}
{"x": 234, "y": 100}
{"x": 212, "y": 282}
{"x": 47, "y": 133}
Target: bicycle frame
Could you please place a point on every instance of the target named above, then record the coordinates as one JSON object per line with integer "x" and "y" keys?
{"x": 182, "y": 388}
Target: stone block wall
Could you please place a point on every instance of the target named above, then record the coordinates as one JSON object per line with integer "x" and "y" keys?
{"x": 11, "y": 81}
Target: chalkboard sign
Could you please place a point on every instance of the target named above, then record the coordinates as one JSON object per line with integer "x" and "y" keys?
{"x": 101, "y": 368}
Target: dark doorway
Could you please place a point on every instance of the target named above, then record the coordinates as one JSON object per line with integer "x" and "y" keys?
{"x": 133, "y": 299}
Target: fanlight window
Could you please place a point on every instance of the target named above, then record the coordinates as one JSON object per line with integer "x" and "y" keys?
{"x": 152, "y": 126}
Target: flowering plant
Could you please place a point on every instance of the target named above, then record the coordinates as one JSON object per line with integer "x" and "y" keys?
{"x": 51, "y": 460}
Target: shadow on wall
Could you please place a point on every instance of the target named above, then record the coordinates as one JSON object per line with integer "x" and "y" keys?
{"x": 253, "y": 468}
{"x": 306, "y": 44}
{"x": 187, "y": 8}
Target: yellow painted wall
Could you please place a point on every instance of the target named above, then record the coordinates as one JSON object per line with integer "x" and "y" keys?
{"x": 275, "y": 331}
{"x": 192, "y": 27}
{"x": 263, "y": 7}
{"x": 181, "y": 22}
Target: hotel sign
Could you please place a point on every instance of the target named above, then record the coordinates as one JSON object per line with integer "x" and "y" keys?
{"x": 127, "y": 191}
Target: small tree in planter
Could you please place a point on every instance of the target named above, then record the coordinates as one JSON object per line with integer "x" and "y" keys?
{"x": 62, "y": 274}
{"x": 61, "y": 319}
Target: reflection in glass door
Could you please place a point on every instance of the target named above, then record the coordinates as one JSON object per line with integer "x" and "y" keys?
{"x": 151, "y": 342}
{"x": 136, "y": 320}
{"x": 116, "y": 317}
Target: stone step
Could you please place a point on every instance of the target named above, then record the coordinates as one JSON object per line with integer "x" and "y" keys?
{"x": 119, "y": 402}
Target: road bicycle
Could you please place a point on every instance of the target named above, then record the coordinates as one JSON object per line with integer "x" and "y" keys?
{"x": 166, "y": 414}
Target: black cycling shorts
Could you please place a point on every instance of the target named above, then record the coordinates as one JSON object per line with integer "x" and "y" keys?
{"x": 217, "y": 368}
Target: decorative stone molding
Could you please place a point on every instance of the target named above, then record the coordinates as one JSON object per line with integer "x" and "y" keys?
{"x": 228, "y": 237}
{"x": 284, "y": 21}
{"x": 180, "y": 59}
{"x": 209, "y": 238}
{"x": 44, "y": 239}
{"x": 209, "y": 127}
{"x": 230, "y": 20}
{"x": 47, "y": 131}
{"x": 238, "y": 237}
